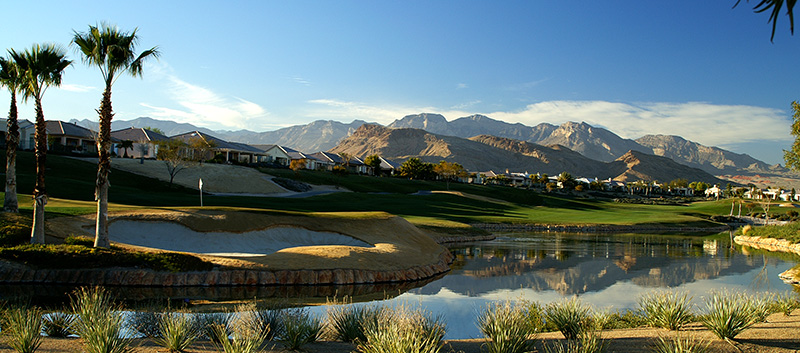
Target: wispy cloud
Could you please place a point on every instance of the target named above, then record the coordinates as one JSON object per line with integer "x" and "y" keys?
{"x": 204, "y": 107}
{"x": 76, "y": 88}
{"x": 301, "y": 81}
{"x": 348, "y": 111}
{"x": 462, "y": 86}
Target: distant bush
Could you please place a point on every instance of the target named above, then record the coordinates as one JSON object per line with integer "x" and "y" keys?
{"x": 293, "y": 185}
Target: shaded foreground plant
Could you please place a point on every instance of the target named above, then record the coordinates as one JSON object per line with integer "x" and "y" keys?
{"x": 404, "y": 330}
{"x": 206, "y": 324}
{"x": 58, "y": 324}
{"x": 588, "y": 341}
{"x": 146, "y": 322}
{"x": 98, "y": 323}
{"x": 510, "y": 327}
{"x": 177, "y": 331}
{"x": 23, "y": 327}
{"x": 245, "y": 332}
{"x": 680, "y": 345}
{"x": 348, "y": 323}
{"x": 728, "y": 314}
{"x": 299, "y": 328}
{"x": 667, "y": 309}
{"x": 571, "y": 317}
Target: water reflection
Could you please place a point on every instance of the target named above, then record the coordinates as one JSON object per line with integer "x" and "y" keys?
{"x": 605, "y": 270}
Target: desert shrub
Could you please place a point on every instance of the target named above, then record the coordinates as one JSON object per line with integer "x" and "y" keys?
{"x": 14, "y": 234}
{"x": 22, "y": 327}
{"x": 292, "y": 185}
{"x": 79, "y": 240}
{"x": 299, "y": 328}
{"x": 569, "y": 316}
{"x": 99, "y": 322}
{"x": 785, "y": 303}
{"x": 667, "y": 309}
{"x": 245, "y": 334}
{"x": 588, "y": 341}
{"x": 728, "y": 314}
{"x": 626, "y": 319}
{"x": 58, "y": 324}
{"x": 404, "y": 330}
{"x": 349, "y": 323}
{"x": 176, "y": 331}
{"x": 510, "y": 327}
{"x": 206, "y": 324}
{"x": 677, "y": 344}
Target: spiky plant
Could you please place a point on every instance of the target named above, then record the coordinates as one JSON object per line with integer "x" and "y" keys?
{"x": 588, "y": 341}
{"x": 299, "y": 328}
{"x": 58, "y": 324}
{"x": 99, "y": 322}
{"x": 569, "y": 316}
{"x": 146, "y": 322}
{"x": 678, "y": 344}
{"x": 347, "y": 322}
{"x": 244, "y": 334}
{"x": 177, "y": 331}
{"x": 404, "y": 330}
{"x": 23, "y": 327}
{"x": 206, "y": 324}
{"x": 728, "y": 314}
{"x": 785, "y": 303}
{"x": 508, "y": 327}
{"x": 667, "y": 309}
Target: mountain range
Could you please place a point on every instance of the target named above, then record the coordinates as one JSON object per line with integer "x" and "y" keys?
{"x": 565, "y": 141}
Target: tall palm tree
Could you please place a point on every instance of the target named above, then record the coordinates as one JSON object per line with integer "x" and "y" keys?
{"x": 12, "y": 79}
{"x": 41, "y": 66}
{"x": 113, "y": 52}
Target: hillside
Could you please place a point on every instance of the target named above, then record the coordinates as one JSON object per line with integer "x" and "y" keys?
{"x": 710, "y": 159}
{"x": 484, "y": 153}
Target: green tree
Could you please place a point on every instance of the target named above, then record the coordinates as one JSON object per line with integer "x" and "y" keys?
{"x": 450, "y": 171}
{"x": 792, "y": 156}
{"x": 41, "y": 66}
{"x": 173, "y": 153}
{"x": 374, "y": 162}
{"x": 11, "y": 78}
{"x": 414, "y": 168}
{"x": 113, "y": 52}
{"x": 567, "y": 181}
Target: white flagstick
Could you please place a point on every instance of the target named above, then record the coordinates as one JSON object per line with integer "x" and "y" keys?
{"x": 201, "y": 192}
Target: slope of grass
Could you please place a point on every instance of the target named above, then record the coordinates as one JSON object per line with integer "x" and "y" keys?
{"x": 70, "y": 184}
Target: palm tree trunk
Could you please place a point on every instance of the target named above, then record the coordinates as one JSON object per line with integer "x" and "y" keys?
{"x": 12, "y": 142}
{"x": 103, "y": 168}
{"x": 39, "y": 191}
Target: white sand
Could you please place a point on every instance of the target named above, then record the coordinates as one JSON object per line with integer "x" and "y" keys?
{"x": 176, "y": 237}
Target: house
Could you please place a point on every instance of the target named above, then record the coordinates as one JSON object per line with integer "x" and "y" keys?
{"x": 714, "y": 191}
{"x": 145, "y": 142}
{"x": 27, "y": 131}
{"x": 230, "y": 151}
{"x": 68, "y": 137}
{"x": 284, "y": 156}
{"x": 388, "y": 167}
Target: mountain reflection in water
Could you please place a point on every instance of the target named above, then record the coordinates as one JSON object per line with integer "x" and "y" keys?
{"x": 604, "y": 270}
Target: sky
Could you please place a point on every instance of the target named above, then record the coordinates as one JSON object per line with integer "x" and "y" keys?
{"x": 703, "y": 70}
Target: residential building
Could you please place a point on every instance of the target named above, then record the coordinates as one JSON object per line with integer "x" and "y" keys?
{"x": 145, "y": 142}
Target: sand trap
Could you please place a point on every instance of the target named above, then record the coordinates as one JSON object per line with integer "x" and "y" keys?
{"x": 176, "y": 237}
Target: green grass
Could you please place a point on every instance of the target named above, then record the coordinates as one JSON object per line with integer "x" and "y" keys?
{"x": 70, "y": 185}
{"x": 790, "y": 232}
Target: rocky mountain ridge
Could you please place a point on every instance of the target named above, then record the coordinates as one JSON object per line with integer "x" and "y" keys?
{"x": 484, "y": 153}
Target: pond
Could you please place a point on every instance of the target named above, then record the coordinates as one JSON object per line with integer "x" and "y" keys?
{"x": 606, "y": 271}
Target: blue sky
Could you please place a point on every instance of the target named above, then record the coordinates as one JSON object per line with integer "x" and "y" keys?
{"x": 699, "y": 69}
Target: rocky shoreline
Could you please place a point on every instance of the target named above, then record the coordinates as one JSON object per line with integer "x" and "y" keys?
{"x": 11, "y": 273}
{"x": 772, "y": 244}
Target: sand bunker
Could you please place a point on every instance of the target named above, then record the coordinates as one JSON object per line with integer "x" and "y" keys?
{"x": 176, "y": 237}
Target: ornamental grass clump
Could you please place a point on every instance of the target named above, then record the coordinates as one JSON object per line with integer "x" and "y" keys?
{"x": 678, "y": 344}
{"x": 58, "y": 324}
{"x": 146, "y": 322}
{"x": 785, "y": 303}
{"x": 404, "y": 330}
{"x": 667, "y": 309}
{"x": 589, "y": 341}
{"x": 23, "y": 326}
{"x": 510, "y": 327}
{"x": 244, "y": 334}
{"x": 299, "y": 328}
{"x": 348, "y": 323}
{"x": 206, "y": 324}
{"x": 728, "y": 314}
{"x": 177, "y": 331}
{"x": 570, "y": 317}
{"x": 99, "y": 322}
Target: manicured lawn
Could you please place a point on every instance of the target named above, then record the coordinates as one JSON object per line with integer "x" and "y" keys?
{"x": 70, "y": 184}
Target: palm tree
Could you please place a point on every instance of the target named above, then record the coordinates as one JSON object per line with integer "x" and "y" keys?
{"x": 12, "y": 79}
{"x": 41, "y": 67}
{"x": 113, "y": 52}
